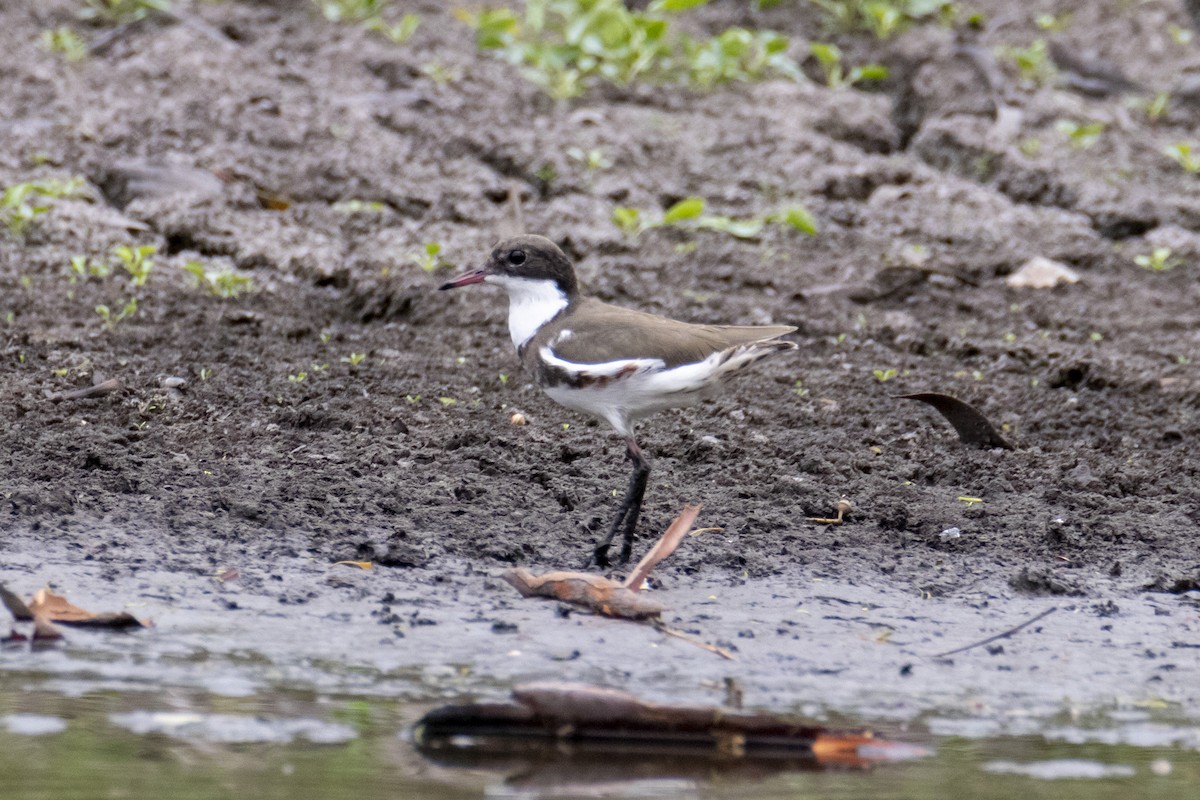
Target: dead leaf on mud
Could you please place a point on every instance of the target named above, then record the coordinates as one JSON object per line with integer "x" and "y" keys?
{"x": 969, "y": 422}
{"x": 15, "y": 605}
{"x": 615, "y": 720}
{"x": 56, "y": 608}
{"x": 604, "y": 595}
{"x": 360, "y": 564}
{"x": 594, "y": 592}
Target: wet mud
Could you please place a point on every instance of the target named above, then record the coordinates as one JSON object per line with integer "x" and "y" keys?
{"x": 347, "y": 410}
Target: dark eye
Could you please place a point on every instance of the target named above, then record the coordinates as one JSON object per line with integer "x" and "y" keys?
{"x": 516, "y": 258}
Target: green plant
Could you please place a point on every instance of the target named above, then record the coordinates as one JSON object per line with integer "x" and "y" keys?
{"x": 884, "y": 18}
{"x": 370, "y": 14}
{"x": 565, "y": 46}
{"x": 399, "y": 33}
{"x": 689, "y": 213}
{"x": 1081, "y": 136}
{"x": 354, "y": 359}
{"x": 829, "y": 56}
{"x": 83, "y": 268}
{"x": 22, "y": 203}
{"x": 447, "y": 401}
{"x": 1183, "y": 154}
{"x": 1033, "y": 63}
{"x": 885, "y": 375}
{"x": 299, "y": 377}
{"x": 113, "y": 318}
{"x": 351, "y": 10}
{"x": 1053, "y": 24}
{"x": 122, "y": 11}
{"x": 224, "y": 283}
{"x": 137, "y": 261}
{"x": 65, "y": 41}
{"x": 1158, "y": 260}
{"x": 593, "y": 159}
{"x": 430, "y": 257}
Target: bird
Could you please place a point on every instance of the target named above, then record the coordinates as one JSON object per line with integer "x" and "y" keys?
{"x": 611, "y": 362}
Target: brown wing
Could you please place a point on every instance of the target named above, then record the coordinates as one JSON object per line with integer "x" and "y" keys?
{"x": 601, "y": 333}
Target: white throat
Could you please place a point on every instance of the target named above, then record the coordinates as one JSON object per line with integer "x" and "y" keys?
{"x": 531, "y": 304}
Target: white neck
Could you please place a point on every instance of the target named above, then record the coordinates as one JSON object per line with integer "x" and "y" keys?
{"x": 531, "y": 304}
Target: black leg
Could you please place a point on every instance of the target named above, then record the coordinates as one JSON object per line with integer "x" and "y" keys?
{"x": 629, "y": 510}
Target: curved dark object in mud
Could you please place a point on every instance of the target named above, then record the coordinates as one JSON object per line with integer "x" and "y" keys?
{"x": 969, "y": 422}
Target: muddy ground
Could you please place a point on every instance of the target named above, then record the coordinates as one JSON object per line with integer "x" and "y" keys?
{"x": 928, "y": 190}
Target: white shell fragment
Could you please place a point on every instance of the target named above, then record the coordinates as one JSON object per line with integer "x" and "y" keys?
{"x": 1040, "y": 272}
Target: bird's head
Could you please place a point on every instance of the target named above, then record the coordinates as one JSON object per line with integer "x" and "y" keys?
{"x": 523, "y": 262}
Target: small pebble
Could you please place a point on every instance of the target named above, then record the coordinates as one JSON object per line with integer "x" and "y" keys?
{"x": 518, "y": 419}
{"x": 949, "y": 533}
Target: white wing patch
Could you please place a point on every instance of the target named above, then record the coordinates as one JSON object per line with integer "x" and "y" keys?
{"x": 638, "y": 387}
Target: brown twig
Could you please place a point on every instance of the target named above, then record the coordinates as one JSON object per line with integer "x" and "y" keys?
{"x": 659, "y": 625}
{"x": 999, "y": 636}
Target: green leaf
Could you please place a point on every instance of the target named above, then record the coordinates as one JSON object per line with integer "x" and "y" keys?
{"x": 627, "y": 219}
{"x": 799, "y": 218}
{"x": 688, "y": 208}
{"x": 741, "y": 228}
{"x": 676, "y": 5}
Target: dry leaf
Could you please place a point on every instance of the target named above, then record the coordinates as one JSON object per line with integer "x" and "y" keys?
{"x": 359, "y": 564}
{"x": 663, "y": 548}
{"x": 15, "y": 605}
{"x": 593, "y": 592}
{"x": 56, "y": 608}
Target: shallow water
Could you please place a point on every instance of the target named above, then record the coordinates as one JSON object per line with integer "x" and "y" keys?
{"x": 96, "y": 742}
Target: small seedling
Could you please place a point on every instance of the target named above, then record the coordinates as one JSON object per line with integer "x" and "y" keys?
{"x": 884, "y": 18}
{"x": 1156, "y": 107}
{"x": 799, "y": 390}
{"x": 370, "y": 14}
{"x": 83, "y": 267}
{"x": 1053, "y": 24}
{"x": 970, "y": 501}
{"x": 593, "y": 159}
{"x": 1158, "y": 260}
{"x": 885, "y": 375}
{"x": 113, "y": 318}
{"x": 22, "y": 203}
{"x": 122, "y": 11}
{"x": 223, "y": 283}
{"x": 565, "y": 46}
{"x": 64, "y": 41}
{"x": 137, "y": 261}
{"x": 441, "y": 74}
{"x": 413, "y": 399}
{"x": 447, "y": 401}
{"x": 351, "y": 10}
{"x": 1081, "y": 136}
{"x": 325, "y": 337}
{"x": 430, "y": 258}
{"x": 1032, "y": 62}
{"x": 299, "y": 377}
{"x": 503, "y": 379}
{"x": 1185, "y": 155}
{"x": 399, "y": 33}
{"x": 829, "y": 56}
{"x": 689, "y": 213}
{"x": 354, "y": 359}
{"x": 205, "y": 373}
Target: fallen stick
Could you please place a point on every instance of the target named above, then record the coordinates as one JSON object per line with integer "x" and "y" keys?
{"x": 999, "y": 636}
